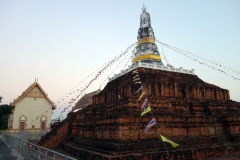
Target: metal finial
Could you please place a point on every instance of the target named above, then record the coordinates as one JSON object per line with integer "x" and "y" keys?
{"x": 144, "y": 8}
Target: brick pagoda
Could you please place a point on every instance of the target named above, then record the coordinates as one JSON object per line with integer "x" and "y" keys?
{"x": 197, "y": 115}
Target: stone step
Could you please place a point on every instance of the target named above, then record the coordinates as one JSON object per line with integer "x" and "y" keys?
{"x": 107, "y": 153}
{"x": 120, "y": 146}
{"x": 129, "y": 148}
{"x": 96, "y": 152}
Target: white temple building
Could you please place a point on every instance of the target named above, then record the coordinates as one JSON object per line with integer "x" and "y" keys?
{"x": 32, "y": 110}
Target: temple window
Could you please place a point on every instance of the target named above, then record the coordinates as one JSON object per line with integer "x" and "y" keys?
{"x": 22, "y": 119}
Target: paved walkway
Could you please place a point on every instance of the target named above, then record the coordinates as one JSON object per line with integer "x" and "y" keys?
{"x": 7, "y": 152}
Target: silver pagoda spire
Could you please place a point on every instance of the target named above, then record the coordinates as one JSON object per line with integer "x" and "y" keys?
{"x": 147, "y": 50}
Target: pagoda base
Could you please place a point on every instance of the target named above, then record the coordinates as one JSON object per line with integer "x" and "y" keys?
{"x": 101, "y": 150}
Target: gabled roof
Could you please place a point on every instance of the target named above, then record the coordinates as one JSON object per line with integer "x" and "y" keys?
{"x": 86, "y": 100}
{"x": 33, "y": 91}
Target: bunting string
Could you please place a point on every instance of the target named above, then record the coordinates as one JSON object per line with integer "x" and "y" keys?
{"x": 189, "y": 54}
{"x": 164, "y": 56}
{"x": 147, "y": 110}
{"x": 218, "y": 64}
{"x": 131, "y": 56}
{"x": 138, "y": 82}
{"x": 107, "y": 65}
{"x": 77, "y": 93}
{"x": 117, "y": 67}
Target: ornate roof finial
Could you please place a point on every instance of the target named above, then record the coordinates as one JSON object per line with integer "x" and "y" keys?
{"x": 144, "y": 8}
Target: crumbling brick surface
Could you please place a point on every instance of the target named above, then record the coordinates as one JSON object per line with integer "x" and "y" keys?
{"x": 57, "y": 134}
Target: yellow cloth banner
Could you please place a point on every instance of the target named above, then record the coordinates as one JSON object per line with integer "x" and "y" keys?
{"x": 169, "y": 141}
{"x": 141, "y": 96}
{"x": 146, "y": 110}
{"x": 146, "y": 40}
{"x": 146, "y": 56}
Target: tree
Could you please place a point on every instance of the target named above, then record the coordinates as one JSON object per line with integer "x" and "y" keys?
{"x": 5, "y": 111}
{"x": 1, "y": 99}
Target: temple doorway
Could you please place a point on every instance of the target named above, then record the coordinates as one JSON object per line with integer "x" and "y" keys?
{"x": 22, "y": 123}
{"x": 43, "y": 123}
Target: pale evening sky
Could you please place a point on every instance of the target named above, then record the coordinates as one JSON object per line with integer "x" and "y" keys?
{"x": 62, "y": 42}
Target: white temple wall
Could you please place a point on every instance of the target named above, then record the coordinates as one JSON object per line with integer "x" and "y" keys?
{"x": 32, "y": 108}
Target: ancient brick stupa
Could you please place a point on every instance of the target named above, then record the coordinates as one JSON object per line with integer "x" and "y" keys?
{"x": 197, "y": 115}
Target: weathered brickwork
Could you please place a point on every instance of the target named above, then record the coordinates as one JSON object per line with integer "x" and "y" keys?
{"x": 56, "y": 135}
{"x": 197, "y": 115}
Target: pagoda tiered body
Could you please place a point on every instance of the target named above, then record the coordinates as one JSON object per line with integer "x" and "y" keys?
{"x": 197, "y": 115}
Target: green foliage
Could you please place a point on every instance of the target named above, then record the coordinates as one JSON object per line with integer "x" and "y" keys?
{"x": 1, "y": 99}
{"x": 5, "y": 111}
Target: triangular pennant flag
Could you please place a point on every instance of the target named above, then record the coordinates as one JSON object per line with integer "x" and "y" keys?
{"x": 143, "y": 106}
{"x": 150, "y": 124}
{"x": 148, "y": 109}
{"x": 136, "y": 76}
{"x": 138, "y": 82}
{"x": 136, "y": 79}
{"x": 141, "y": 96}
{"x": 135, "y": 72}
{"x": 139, "y": 89}
{"x": 169, "y": 141}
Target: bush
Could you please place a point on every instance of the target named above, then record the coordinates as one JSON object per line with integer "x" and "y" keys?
{"x": 5, "y": 111}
